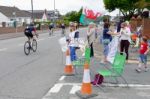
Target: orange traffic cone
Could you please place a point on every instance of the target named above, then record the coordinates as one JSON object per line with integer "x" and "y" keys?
{"x": 68, "y": 68}
{"x": 86, "y": 88}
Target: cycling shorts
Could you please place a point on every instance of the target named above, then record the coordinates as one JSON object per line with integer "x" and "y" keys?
{"x": 29, "y": 34}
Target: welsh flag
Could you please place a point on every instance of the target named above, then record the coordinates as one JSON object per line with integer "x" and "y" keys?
{"x": 88, "y": 16}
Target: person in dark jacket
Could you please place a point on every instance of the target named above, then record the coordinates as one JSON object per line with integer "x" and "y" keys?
{"x": 119, "y": 25}
{"x": 106, "y": 38}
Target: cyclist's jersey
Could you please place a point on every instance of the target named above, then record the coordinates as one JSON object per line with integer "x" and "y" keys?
{"x": 63, "y": 26}
{"x": 51, "y": 26}
{"x": 28, "y": 30}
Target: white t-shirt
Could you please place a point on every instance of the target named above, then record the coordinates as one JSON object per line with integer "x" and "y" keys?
{"x": 125, "y": 34}
{"x": 72, "y": 40}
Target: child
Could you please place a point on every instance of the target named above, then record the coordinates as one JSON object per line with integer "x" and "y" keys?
{"x": 144, "y": 48}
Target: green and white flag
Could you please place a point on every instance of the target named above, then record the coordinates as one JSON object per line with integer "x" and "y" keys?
{"x": 88, "y": 16}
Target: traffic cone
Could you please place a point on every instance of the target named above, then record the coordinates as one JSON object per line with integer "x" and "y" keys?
{"x": 68, "y": 68}
{"x": 86, "y": 88}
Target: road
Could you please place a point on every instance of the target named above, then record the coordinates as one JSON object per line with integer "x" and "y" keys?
{"x": 29, "y": 77}
{"x": 40, "y": 75}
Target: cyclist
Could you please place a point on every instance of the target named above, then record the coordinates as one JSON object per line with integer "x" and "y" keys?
{"x": 51, "y": 27}
{"x": 63, "y": 29}
{"x": 30, "y": 32}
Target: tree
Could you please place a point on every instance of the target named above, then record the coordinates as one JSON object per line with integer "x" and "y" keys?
{"x": 73, "y": 15}
{"x": 127, "y": 7}
{"x": 141, "y": 5}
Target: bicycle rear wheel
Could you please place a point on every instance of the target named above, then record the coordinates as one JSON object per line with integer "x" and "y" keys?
{"x": 34, "y": 45}
{"x": 63, "y": 33}
{"x": 27, "y": 47}
{"x": 50, "y": 32}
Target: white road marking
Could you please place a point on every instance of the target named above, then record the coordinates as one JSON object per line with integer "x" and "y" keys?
{"x": 56, "y": 88}
{"x": 111, "y": 85}
{"x": 77, "y": 86}
{"x": 74, "y": 89}
{"x": 3, "y": 49}
{"x": 145, "y": 88}
{"x": 143, "y": 94}
{"x": 40, "y": 40}
{"x": 62, "y": 78}
{"x": 125, "y": 85}
{"x": 53, "y": 36}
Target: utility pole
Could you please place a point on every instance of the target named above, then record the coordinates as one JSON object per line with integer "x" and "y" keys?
{"x": 54, "y": 14}
{"x": 54, "y": 5}
{"x": 32, "y": 10}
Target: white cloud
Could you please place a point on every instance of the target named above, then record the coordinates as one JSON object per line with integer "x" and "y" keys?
{"x": 62, "y": 5}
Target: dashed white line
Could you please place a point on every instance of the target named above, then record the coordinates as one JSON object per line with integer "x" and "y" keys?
{"x": 53, "y": 36}
{"x": 56, "y": 88}
{"x": 40, "y": 40}
{"x": 62, "y": 78}
{"x": 3, "y": 49}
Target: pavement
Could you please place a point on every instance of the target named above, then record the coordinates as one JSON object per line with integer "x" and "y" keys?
{"x": 138, "y": 83}
{"x": 34, "y": 77}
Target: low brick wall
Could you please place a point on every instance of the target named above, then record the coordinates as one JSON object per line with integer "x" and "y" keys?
{"x": 4, "y": 30}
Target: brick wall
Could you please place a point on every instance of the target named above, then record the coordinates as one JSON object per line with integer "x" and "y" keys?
{"x": 146, "y": 28}
{"x": 4, "y": 30}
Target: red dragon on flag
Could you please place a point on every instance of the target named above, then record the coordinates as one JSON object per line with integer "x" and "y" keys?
{"x": 90, "y": 14}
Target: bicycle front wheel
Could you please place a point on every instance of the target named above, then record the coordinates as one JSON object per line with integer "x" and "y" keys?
{"x": 34, "y": 45}
{"x": 27, "y": 47}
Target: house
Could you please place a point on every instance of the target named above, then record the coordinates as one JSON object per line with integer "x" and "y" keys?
{"x": 44, "y": 15}
{"x": 10, "y": 14}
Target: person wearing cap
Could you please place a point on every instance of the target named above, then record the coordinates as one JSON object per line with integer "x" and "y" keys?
{"x": 106, "y": 39}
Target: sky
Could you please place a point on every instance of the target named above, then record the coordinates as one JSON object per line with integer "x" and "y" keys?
{"x": 63, "y": 6}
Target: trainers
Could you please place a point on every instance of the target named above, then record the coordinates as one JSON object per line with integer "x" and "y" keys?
{"x": 138, "y": 70}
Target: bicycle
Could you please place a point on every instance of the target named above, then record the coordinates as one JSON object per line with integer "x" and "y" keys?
{"x": 63, "y": 32}
{"x": 51, "y": 32}
{"x": 28, "y": 46}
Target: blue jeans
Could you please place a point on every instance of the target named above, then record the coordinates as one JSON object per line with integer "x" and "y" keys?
{"x": 143, "y": 58}
{"x": 73, "y": 53}
{"x": 106, "y": 50}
